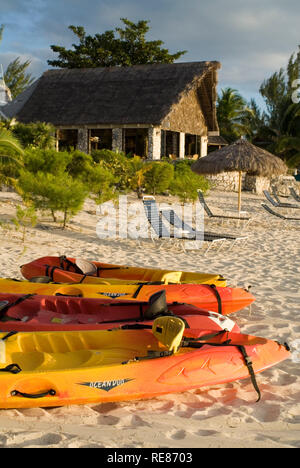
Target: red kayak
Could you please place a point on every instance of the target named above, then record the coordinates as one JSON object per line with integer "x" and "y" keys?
{"x": 30, "y": 312}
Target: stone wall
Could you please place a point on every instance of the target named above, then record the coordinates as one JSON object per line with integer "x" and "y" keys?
{"x": 283, "y": 183}
{"x": 225, "y": 181}
{"x": 256, "y": 184}
{"x": 229, "y": 182}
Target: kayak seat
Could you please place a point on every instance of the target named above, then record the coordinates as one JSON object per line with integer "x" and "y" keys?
{"x": 169, "y": 332}
{"x": 87, "y": 268}
{"x": 157, "y": 305}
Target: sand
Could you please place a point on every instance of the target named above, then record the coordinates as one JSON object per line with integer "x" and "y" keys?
{"x": 216, "y": 417}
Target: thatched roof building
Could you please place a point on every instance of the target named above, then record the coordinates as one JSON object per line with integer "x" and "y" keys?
{"x": 162, "y": 102}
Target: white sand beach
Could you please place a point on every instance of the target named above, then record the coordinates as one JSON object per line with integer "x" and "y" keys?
{"x": 216, "y": 417}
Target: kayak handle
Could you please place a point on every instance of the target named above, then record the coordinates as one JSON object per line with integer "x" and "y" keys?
{"x": 50, "y": 392}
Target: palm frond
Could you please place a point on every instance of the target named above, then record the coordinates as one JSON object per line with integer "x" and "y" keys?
{"x": 8, "y": 158}
{"x": 9, "y": 143}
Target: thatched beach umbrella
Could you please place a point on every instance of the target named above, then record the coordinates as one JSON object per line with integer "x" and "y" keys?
{"x": 241, "y": 156}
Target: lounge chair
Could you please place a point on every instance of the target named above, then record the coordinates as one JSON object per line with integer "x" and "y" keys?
{"x": 279, "y": 215}
{"x": 294, "y": 194}
{"x": 162, "y": 232}
{"x": 177, "y": 222}
{"x": 279, "y": 204}
{"x": 277, "y": 195}
{"x": 210, "y": 214}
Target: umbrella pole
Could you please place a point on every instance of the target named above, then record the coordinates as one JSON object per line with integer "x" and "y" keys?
{"x": 240, "y": 192}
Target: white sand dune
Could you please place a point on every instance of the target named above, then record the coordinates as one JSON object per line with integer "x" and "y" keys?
{"x": 219, "y": 416}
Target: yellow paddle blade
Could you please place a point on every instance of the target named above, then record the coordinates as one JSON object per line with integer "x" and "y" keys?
{"x": 169, "y": 331}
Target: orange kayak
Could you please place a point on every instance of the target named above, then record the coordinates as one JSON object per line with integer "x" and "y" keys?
{"x": 70, "y": 270}
{"x": 19, "y": 312}
{"x": 209, "y": 297}
{"x": 46, "y": 369}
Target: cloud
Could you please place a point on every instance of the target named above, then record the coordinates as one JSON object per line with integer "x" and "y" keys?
{"x": 250, "y": 39}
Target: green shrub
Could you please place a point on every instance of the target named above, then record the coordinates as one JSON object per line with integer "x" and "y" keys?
{"x": 80, "y": 164}
{"x": 46, "y": 160}
{"x": 138, "y": 169}
{"x": 99, "y": 178}
{"x": 53, "y": 192}
{"x": 25, "y": 217}
{"x": 101, "y": 183}
{"x": 158, "y": 178}
{"x": 35, "y": 135}
{"x": 118, "y": 164}
{"x": 186, "y": 182}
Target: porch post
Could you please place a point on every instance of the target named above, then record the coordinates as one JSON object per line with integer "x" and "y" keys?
{"x": 83, "y": 140}
{"x": 203, "y": 146}
{"x": 154, "y": 143}
{"x": 181, "y": 145}
{"x": 57, "y": 139}
{"x": 117, "y": 140}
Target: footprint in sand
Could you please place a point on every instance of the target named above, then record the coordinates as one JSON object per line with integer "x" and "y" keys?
{"x": 108, "y": 420}
{"x": 177, "y": 435}
{"x": 23, "y": 439}
{"x": 132, "y": 421}
{"x": 205, "y": 433}
{"x": 267, "y": 413}
{"x": 3, "y": 441}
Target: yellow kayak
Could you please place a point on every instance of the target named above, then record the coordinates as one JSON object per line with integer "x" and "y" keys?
{"x": 62, "y": 368}
{"x": 71, "y": 270}
{"x": 223, "y": 300}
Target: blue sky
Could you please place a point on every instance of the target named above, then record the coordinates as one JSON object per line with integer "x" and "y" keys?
{"x": 251, "y": 38}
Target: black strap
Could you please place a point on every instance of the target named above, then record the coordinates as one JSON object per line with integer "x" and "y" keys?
{"x": 4, "y": 310}
{"x": 99, "y": 269}
{"x": 148, "y": 283}
{"x": 70, "y": 264}
{"x": 50, "y": 271}
{"x": 136, "y": 326}
{"x": 82, "y": 279}
{"x": 188, "y": 342}
{"x": 12, "y": 333}
{"x": 69, "y": 295}
{"x": 248, "y": 362}
{"x": 135, "y": 295}
{"x": 213, "y": 287}
{"x": 151, "y": 355}
{"x": 12, "y": 368}
{"x": 50, "y": 392}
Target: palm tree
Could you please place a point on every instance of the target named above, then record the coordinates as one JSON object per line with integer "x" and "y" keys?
{"x": 288, "y": 143}
{"x": 11, "y": 155}
{"x": 232, "y": 111}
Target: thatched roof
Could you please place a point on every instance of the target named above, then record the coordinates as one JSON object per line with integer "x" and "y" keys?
{"x": 13, "y": 108}
{"x": 117, "y": 95}
{"x": 217, "y": 140}
{"x": 240, "y": 156}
